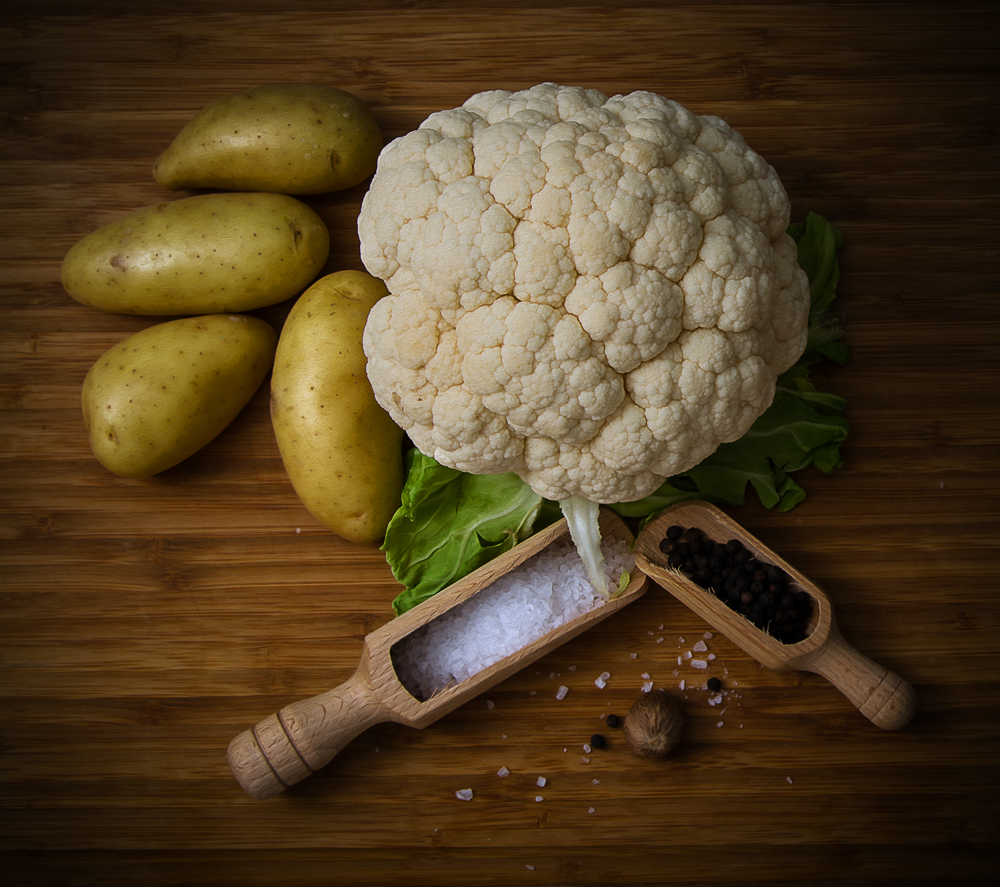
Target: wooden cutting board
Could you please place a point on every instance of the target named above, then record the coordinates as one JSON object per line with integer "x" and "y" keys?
{"x": 144, "y": 623}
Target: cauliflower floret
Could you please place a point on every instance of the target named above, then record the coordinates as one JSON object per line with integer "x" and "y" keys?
{"x": 592, "y": 292}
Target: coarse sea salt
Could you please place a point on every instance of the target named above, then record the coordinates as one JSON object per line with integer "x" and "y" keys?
{"x": 543, "y": 593}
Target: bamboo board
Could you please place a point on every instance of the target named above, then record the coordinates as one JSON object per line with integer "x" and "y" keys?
{"x": 145, "y": 623}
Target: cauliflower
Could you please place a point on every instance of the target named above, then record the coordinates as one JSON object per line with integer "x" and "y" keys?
{"x": 592, "y": 292}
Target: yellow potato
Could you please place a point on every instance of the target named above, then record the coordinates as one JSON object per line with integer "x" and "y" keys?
{"x": 163, "y": 393}
{"x": 292, "y": 138}
{"x": 342, "y": 452}
{"x": 210, "y": 254}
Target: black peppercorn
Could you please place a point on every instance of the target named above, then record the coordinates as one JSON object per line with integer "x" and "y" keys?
{"x": 597, "y": 741}
{"x": 714, "y": 684}
{"x": 613, "y": 721}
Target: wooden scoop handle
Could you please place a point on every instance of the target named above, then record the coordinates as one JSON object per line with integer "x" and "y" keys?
{"x": 286, "y": 747}
{"x": 880, "y": 695}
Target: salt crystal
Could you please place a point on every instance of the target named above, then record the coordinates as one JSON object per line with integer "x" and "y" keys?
{"x": 541, "y": 782}
{"x": 711, "y": 656}
{"x": 538, "y": 798}
{"x": 720, "y": 724}
{"x": 661, "y": 626}
{"x": 545, "y": 592}
{"x": 647, "y": 686}
{"x": 708, "y": 635}
{"x": 464, "y": 794}
{"x": 659, "y": 640}
{"x": 602, "y": 681}
{"x": 595, "y": 782}
{"x": 591, "y": 810}
{"x": 503, "y": 771}
{"x": 298, "y": 530}
{"x": 586, "y": 748}
{"x": 680, "y": 640}
{"x": 645, "y": 676}
{"x": 700, "y": 647}
{"x": 632, "y": 655}
{"x": 585, "y": 760}
{"x": 489, "y": 704}
{"x": 561, "y": 692}
{"x": 533, "y": 693}
{"x": 572, "y": 668}
{"x": 682, "y": 684}
{"x": 530, "y": 868}
{"x": 788, "y": 779}
{"x": 687, "y": 654}
{"x": 699, "y": 663}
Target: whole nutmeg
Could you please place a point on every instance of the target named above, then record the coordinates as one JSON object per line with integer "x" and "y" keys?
{"x": 654, "y": 724}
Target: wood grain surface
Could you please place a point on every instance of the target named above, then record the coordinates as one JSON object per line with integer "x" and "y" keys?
{"x": 147, "y": 622}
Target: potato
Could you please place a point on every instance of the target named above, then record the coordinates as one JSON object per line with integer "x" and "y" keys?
{"x": 342, "y": 452}
{"x": 211, "y": 254}
{"x": 292, "y": 138}
{"x": 163, "y": 393}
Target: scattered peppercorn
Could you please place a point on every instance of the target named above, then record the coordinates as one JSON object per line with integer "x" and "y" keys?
{"x": 714, "y": 684}
{"x": 762, "y": 592}
{"x": 597, "y": 741}
{"x": 613, "y": 721}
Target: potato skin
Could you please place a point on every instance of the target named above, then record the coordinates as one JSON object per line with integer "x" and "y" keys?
{"x": 288, "y": 138}
{"x": 342, "y": 452}
{"x": 209, "y": 254}
{"x": 160, "y": 395}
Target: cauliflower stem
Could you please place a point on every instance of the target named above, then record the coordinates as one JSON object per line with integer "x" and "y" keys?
{"x": 581, "y": 517}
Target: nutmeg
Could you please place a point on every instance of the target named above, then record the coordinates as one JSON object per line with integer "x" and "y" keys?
{"x": 654, "y": 724}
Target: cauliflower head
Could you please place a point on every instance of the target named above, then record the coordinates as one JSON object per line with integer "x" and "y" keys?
{"x": 592, "y": 292}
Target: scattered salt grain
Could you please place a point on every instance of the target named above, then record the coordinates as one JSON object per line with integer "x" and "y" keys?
{"x": 561, "y": 692}
{"x": 464, "y": 794}
{"x": 530, "y": 868}
{"x": 533, "y": 693}
{"x": 503, "y": 771}
{"x": 591, "y": 810}
{"x": 659, "y": 640}
{"x": 632, "y": 655}
{"x": 586, "y": 748}
{"x": 699, "y": 663}
{"x": 298, "y": 530}
{"x": 602, "y": 681}
{"x": 700, "y": 647}
{"x": 595, "y": 782}
{"x": 720, "y": 723}
{"x": 708, "y": 635}
{"x": 538, "y": 798}
{"x": 788, "y": 779}
{"x": 489, "y": 704}
{"x": 682, "y": 684}
{"x": 572, "y": 668}
{"x": 541, "y": 782}
{"x": 687, "y": 654}
{"x": 545, "y": 592}
{"x": 647, "y": 686}
{"x": 711, "y": 656}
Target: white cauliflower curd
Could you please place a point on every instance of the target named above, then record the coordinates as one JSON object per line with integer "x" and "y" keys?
{"x": 591, "y": 292}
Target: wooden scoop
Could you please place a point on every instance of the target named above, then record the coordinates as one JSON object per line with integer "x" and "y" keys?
{"x": 881, "y": 696}
{"x": 303, "y": 737}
